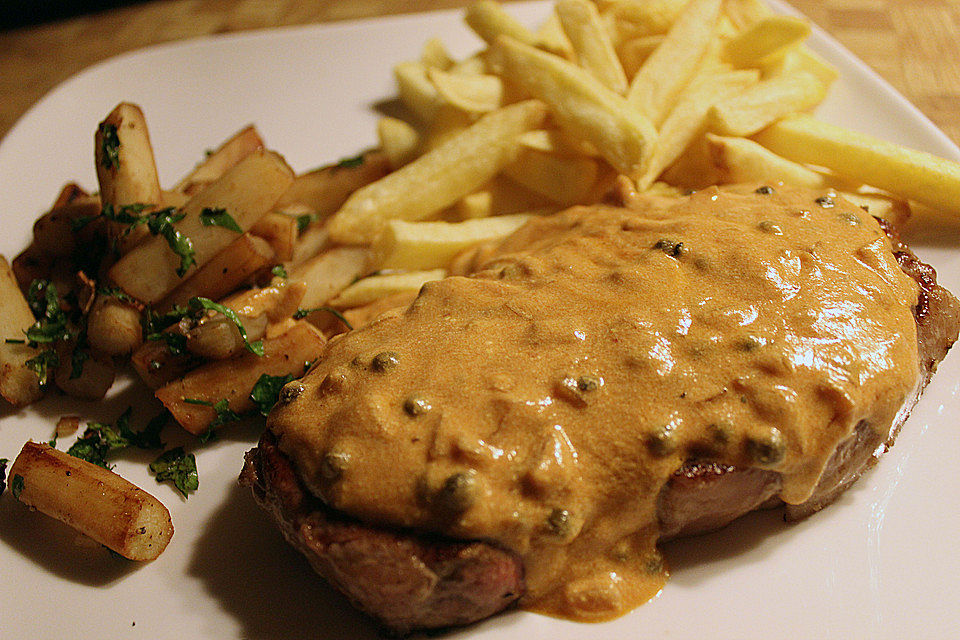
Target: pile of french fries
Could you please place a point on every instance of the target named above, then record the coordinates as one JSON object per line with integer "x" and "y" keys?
{"x": 258, "y": 266}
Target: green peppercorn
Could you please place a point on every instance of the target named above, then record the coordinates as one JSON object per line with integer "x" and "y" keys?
{"x": 415, "y": 406}
{"x": 662, "y": 441}
{"x": 457, "y": 494}
{"x": 384, "y": 361}
{"x": 765, "y": 190}
{"x": 669, "y": 247}
{"x": 826, "y": 202}
{"x": 559, "y": 522}
{"x": 767, "y": 449}
{"x": 589, "y": 383}
{"x": 334, "y": 464}
{"x": 770, "y": 227}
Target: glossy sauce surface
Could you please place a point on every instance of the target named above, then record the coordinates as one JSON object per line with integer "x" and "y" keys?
{"x": 545, "y": 401}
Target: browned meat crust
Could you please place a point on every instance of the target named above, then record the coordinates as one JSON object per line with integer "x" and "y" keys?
{"x": 417, "y": 581}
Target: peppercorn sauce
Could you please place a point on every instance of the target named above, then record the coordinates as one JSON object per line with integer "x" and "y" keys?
{"x": 544, "y": 402}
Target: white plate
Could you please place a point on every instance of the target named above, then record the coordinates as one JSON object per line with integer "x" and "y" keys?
{"x": 881, "y": 563}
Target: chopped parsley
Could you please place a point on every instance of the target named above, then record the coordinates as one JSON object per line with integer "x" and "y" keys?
{"x": 161, "y": 224}
{"x": 196, "y": 304}
{"x": 224, "y": 414}
{"x": 3, "y": 474}
{"x": 178, "y": 466}
{"x": 219, "y": 218}
{"x": 279, "y": 271}
{"x": 349, "y": 163}
{"x": 303, "y": 313}
{"x": 305, "y": 220}
{"x": 266, "y": 391}
{"x": 16, "y": 486}
{"x": 118, "y": 293}
{"x": 100, "y": 440}
{"x": 154, "y": 325}
{"x": 109, "y": 146}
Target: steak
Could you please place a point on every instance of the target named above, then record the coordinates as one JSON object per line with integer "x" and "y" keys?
{"x": 409, "y": 580}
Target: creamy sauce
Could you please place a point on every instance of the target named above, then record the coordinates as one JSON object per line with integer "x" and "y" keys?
{"x": 545, "y": 401}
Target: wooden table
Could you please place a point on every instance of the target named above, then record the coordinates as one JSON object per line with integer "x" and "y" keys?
{"x": 914, "y": 44}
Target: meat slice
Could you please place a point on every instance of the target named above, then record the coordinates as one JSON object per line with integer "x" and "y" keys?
{"x": 409, "y": 580}
{"x": 405, "y": 580}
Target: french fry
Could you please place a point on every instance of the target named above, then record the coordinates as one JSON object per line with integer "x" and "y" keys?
{"x": 634, "y": 52}
{"x": 224, "y": 272}
{"x": 909, "y": 174}
{"x": 371, "y": 288}
{"x": 564, "y": 179}
{"x": 324, "y": 190}
{"x": 232, "y": 379}
{"x": 501, "y": 196}
{"x": 438, "y": 178}
{"x": 473, "y": 93}
{"x": 432, "y": 245}
{"x": 765, "y": 40}
{"x": 799, "y": 60}
{"x": 233, "y": 150}
{"x": 591, "y": 42}
{"x": 552, "y": 38}
{"x": 689, "y": 117}
{"x": 893, "y": 210}
{"x": 247, "y": 192}
{"x": 279, "y": 231}
{"x": 489, "y": 21}
{"x": 18, "y": 385}
{"x": 666, "y": 72}
{"x": 113, "y": 326}
{"x": 94, "y": 501}
{"x": 399, "y": 141}
{"x": 415, "y": 90}
{"x": 743, "y": 13}
{"x": 743, "y": 160}
{"x": 435, "y": 55}
{"x": 580, "y": 104}
{"x": 329, "y": 273}
{"x": 694, "y": 169}
{"x": 449, "y": 122}
{"x": 554, "y": 141}
{"x": 365, "y": 314}
{"x": 764, "y": 103}
{"x": 635, "y": 18}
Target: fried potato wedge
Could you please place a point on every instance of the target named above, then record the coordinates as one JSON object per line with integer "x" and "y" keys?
{"x": 591, "y": 43}
{"x": 765, "y": 40}
{"x": 743, "y": 160}
{"x": 18, "y": 384}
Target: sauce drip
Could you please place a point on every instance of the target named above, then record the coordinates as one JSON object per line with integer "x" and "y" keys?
{"x": 545, "y": 401}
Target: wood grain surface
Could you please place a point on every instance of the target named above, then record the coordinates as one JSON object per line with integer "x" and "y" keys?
{"x": 914, "y": 44}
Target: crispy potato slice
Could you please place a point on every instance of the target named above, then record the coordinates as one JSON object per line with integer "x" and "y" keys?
{"x": 233, "y": 378}
{"x": 233, "y": 150}
{"x": 371, "y": 288}
{"x": 432, "y": 245}
{"x": 329, "y": 273}
{"x": 438, "y": 178}
{"x": 670, "y": 67}
{"x": 126, "y": 169}
{"x": 743, "y": 160}
{"x": 689, "y": 117}
{"x": 909, "y": 174}
{"x": 591, "y": 42}
{"x": 278, "y": 230}
{"x": 94, "y": 501}
{"x": 324, "y": 190}
{"x": 753, "y": 109}
{"x": 113, "y": 326}
{"x": 399, "y": 141}
{"x": 489, "y": 21}
{"x": 18, "y": 384}
{"x": 580, "y": 104}
{"x": 247, "y": 192}
{"x": 765, "y": 40}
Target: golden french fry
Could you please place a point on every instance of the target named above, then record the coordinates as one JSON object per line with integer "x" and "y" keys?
{"x": 580, "y": 104}
{"x": 489, "y": 21}
{"x": 670, "y": 67}
{"x": 471, "y": 65}
{"x": 635, "y": 18}
{"x": 233, "y": 150}
{"x": 247, "y": 192}
{"x": 689, "y": 117}
{"x": 432, "y": 245}
{"x": 634, "y": 52}
{"x": 435, "y": 55}
{"x": 93, "y": 500}
{"x": 893, "y": 210}
{"x": 555, "y": 141}
{"x": 743, "y": 13}
{"x": 552, "y": 38}
{"x": 909, "y": 174}
{"x": 765, "y": 40}
{"x": 233, "y": 378}
{"x": 694, "y": 169}
{"x": 564, "y": 179}
{"x": 743, "y": 160}
{"x": 227, "y": 270}
{"x": 415, "y": 90}
{"x": 591, "y": 42}
{"x": 473, "y": 93}
{"x": 753, "y": 109}
{"x": 371, "y": 288}
{"x": 501, "y": 196}
{"x": 799, "y": 60}
{"x": 438, "y": 178}
{"x": 18, "y": 384}
{"x": 399, "y": 141}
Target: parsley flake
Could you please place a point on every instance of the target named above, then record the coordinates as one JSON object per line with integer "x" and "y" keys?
{"x": 177, "y": 466}
{"x": 279, "y": 271}
{"x": 349, "y": 163}
{"x": 196, "y": 304}
{"x": 266, "y": 391}
{"x": 3, "y": 474}
{"x": 219, "y": 218}
{"x": 303, "y": 313}
{"x": 16, "y": 486}
{"x": 305, "y": 220}
{"x": 224, "y": 414}
{"x": 109, "y": 146}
